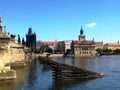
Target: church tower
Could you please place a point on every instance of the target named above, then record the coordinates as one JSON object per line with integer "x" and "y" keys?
{"x": 81, "y": 36}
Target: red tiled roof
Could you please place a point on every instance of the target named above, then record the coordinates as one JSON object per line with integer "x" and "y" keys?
{"x": 50, "y": 43}
{"x": 112, "y": 44}
{"x": 89, "y": 41}
{"x": 82, "y": 41}
{"x": 78, "y": 41}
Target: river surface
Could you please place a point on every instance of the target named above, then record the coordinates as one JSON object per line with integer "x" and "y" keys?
{"x": 37, "y": 76}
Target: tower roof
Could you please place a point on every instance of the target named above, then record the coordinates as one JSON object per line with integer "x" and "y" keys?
{"x": 81, "y": 31}
{"x": 30, "y": 31}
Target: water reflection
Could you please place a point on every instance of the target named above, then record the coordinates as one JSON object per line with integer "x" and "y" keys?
{"x": 38, "y": 76}
{"x": 81, "y": 62}
{"x": 32, "y": 74}
{"x": 60, "y": 84}
{"x": 12, "y": 84}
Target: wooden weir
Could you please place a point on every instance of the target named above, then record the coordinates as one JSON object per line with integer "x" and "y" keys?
{"x": 64, "y": 71}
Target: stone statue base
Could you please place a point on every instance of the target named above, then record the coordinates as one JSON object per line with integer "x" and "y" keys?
{"x": 6, "y": 73}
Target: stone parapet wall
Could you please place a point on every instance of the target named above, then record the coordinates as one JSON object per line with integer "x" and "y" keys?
{"x": 17, "y": 55}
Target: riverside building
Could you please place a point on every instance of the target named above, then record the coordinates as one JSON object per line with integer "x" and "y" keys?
{"x": 83, "y": 47}
{"x": 112, "y": 46}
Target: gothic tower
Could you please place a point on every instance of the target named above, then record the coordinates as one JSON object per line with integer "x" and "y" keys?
{"x": 81, "y": 36}
{"x": 31, "y": 39}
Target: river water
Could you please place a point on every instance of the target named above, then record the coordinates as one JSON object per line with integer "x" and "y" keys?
{"x": 37, "y": 76}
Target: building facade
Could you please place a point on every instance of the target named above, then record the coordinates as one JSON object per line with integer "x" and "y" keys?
{"x": 98, "y": 45}
{"x": 112, "y": 46}
{"x": 83, "y": 47}
{"x": 51, "y": 44}
{"x": 67, "y": 45}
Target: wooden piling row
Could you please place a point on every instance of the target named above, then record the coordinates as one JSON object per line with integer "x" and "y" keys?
{"x": 63, "y": 71}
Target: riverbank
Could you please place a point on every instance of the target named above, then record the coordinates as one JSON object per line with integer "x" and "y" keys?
{"x": 60, "y": 55}
{"x": 8, "y": 71}
{"x": 51, "y": 55}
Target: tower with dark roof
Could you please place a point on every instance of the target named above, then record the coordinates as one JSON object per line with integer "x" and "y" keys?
{"x": 81, "y": 31}
{"x": 31, "y": 39}
{"x": 81, "y": 36}
{"x": 30, "y": 31}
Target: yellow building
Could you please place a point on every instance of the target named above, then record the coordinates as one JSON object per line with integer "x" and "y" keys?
{"x": 112, "y": 46}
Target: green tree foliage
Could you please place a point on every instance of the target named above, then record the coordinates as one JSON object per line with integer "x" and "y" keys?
{"x": 99, "y": 50}
{"x": 37, "y": 50}
{"x": 117, "y": 51}
{"x": 46, "y": 48}
{"x": 23, "y": 41}
{"x": 50, "y": 50}
{"x": 19, "y": 40}
{"x": 108, "y": 51}
{"x": 42, "y": 49}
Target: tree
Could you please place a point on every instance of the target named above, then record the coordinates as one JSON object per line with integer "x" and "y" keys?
{"x": 19, "y": 41}
{"x": 117, "y": 51}
{"x": 99, "y": 50}
{"x": 37, "y": 50}
{"x": 43, "y": 49}
{"x": 13, "y": 36}
{"x": 50, "y": 50}
{"x": 46, "y": 48}
{"x": 107, "y": 51}
{"x": 23, "y": 41}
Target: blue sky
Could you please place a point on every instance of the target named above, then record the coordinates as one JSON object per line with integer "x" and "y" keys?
{"x": 62, "y": 19}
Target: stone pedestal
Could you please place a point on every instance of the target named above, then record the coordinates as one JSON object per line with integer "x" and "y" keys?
{"x": 7, "y": 74}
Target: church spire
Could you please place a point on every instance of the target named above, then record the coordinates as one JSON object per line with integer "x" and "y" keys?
{"x": 81, "y": 36}
{"x": 81, "y": 31}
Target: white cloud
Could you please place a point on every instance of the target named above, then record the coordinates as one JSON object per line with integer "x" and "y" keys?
{"x": 90, "y": 25}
